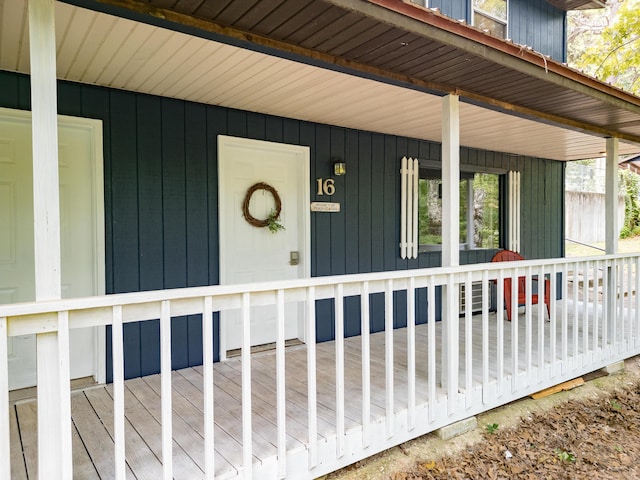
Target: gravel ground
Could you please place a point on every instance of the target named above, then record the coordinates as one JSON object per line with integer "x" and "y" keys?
{"x": 590, "y": 431}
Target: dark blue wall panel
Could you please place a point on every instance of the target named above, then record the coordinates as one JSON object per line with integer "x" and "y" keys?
{"x": 161, "y": 204}
{"x": 539, "y": 25}
{"x": 534, "y": 23}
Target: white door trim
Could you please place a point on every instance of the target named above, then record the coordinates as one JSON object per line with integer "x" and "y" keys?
{"x": 95, "y": 127}
{"x": 224, "y": 144}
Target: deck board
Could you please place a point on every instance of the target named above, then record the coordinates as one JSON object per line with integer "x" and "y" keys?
{"x": 27, "y": 415}
{"x": 92, "y": 408}
{"x": 18, "y": 467}
{"x": 140, "y": 458}
{"x": 95, "y": 437}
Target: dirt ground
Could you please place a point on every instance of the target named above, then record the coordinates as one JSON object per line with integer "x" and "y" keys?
{"x": 590, "y": 431}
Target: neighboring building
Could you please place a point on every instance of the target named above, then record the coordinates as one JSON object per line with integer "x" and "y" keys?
{"x": 171, "y": 111}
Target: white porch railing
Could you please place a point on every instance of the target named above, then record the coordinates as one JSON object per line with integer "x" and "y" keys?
{"x": 451, "y": 369}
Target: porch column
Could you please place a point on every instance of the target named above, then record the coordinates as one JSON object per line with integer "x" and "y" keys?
{"x": 611, "y": 230}
{"x": 54, "y": 410}
{"x": 611, "y": 197}
{"x": 450, "y": 241}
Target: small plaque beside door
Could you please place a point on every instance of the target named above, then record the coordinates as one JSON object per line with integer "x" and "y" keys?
{"x": 325, "y": 207}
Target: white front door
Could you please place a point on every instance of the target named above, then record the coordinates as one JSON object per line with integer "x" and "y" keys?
{"x": 82, "y": 234}
{"x": 250, "y": 254}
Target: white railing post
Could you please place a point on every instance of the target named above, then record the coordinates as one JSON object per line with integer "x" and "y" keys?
{"x": 388, "y": 357}
{"x": 165, "y": 387}
{"x": 54, "y": 409}
{"x": 366, "y": 363}
{"x": 207, "y": 358}
{"x": 247, "y": 433}
{"x": 311, "y": 378}
{"x": 411, "y": 354}
{"x": 281, "y": 375}
{"x": 117, "y": 347}
{"x": 452, "y": 328}
{"x": 5, "y": 442}
{"x": 339, "y": 350}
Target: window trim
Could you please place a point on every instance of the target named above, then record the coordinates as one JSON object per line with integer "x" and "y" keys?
{"x": 491, "y": 16}
{"x": 464, "y": 169}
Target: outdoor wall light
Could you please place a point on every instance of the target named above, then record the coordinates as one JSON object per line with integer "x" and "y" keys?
{"x": 339, "y": 167}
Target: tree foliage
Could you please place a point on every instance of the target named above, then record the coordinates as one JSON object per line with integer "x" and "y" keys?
{"x": 606, "y": 44}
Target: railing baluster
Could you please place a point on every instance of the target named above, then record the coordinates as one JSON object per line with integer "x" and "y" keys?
{"x": 468, "y": 341}
{"x": 628, "y": 337}
{"x": 411, "y": 354}
{"x": 485, "y": 335}
{"x": 388, "y": 355}
{"x": 620, "y": 296}
{"x": 637, "y": 299}
{"x": 117, "y": 347}
{"x": 574, "y": 321}
{"x": 207, "y": 357}
{"x": 431, "y": 347}
{"x": 565, "y": 319}
{"x": 542, "y": 315}
{"x": 281, "y": 376}
{"x": 247, "y": 434}
{"x": 500, "y": 332}
{"x": 366, "y": 363}
{"x": 5, "y": 439}
{"x": 585, "y": 309}
{"x": 596, "y": 307}
{"x": 339, "y": 349}
{"x": 606, "y": 310}
{"x": 528, "y": 320}
{"x": 165, "y": 389}
{"x": 514, "y": 329}
{"x": 311, "y": 377}
{"x": 553, "y": 325}
{"x": 452, "y": 328}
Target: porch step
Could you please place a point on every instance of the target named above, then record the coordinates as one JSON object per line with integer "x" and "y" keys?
{"x": 458, "y": 428}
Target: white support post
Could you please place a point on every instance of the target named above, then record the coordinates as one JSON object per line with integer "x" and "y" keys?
{"x": 611, "y": 229}
{"x": 54, "y": 415}
{"x": 450, "y": 230}
{"x": 611, "y": 197}
{"x": 450, "y": 181}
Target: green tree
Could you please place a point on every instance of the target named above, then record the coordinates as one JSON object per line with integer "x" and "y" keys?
{"x": 606, "y": 44}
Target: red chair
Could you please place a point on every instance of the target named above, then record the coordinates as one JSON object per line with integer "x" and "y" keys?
{"x": 510, "y": 256}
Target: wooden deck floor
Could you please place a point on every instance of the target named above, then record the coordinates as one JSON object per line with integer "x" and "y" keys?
{"x": 92, "y": 408}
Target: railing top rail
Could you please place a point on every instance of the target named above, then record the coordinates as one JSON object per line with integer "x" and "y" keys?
{"x": 440, "y": 273}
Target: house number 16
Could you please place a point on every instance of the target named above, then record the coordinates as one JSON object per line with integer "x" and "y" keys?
{"x": 326, "y": 186}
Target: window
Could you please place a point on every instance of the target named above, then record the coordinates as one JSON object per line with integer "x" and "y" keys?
{"x": 479, "y": 210}
{"x": 423, "y": 3}
{"x": 491, "y": 15}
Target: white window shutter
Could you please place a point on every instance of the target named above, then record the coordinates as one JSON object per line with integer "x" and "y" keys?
{"x": 409, "y": 208}
{"x": 514, "y": 211}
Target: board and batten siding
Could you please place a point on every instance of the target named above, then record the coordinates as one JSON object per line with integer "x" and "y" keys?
{"x": 161, "y": 203}
{"x": 535, "y": 23}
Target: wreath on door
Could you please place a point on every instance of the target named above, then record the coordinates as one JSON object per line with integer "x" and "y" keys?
{"x": 273, "y": 219}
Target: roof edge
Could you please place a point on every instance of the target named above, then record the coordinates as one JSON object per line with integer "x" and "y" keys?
{"x": 522, "y": 52}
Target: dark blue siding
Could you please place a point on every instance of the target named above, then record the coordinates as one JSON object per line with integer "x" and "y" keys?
{"x": 161, "y": 204}
{"x": 457, "y": 9}
{"x": 538, "y": 24}
{"x": 535, "y": 23}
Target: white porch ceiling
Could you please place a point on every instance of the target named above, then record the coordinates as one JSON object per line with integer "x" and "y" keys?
{"x": 100, "y": 49}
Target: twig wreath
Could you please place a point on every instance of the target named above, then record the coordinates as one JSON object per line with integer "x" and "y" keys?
{"x": 272, "y": 221}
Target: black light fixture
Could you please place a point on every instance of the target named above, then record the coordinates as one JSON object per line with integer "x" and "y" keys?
{"x": 339, "y": 167}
